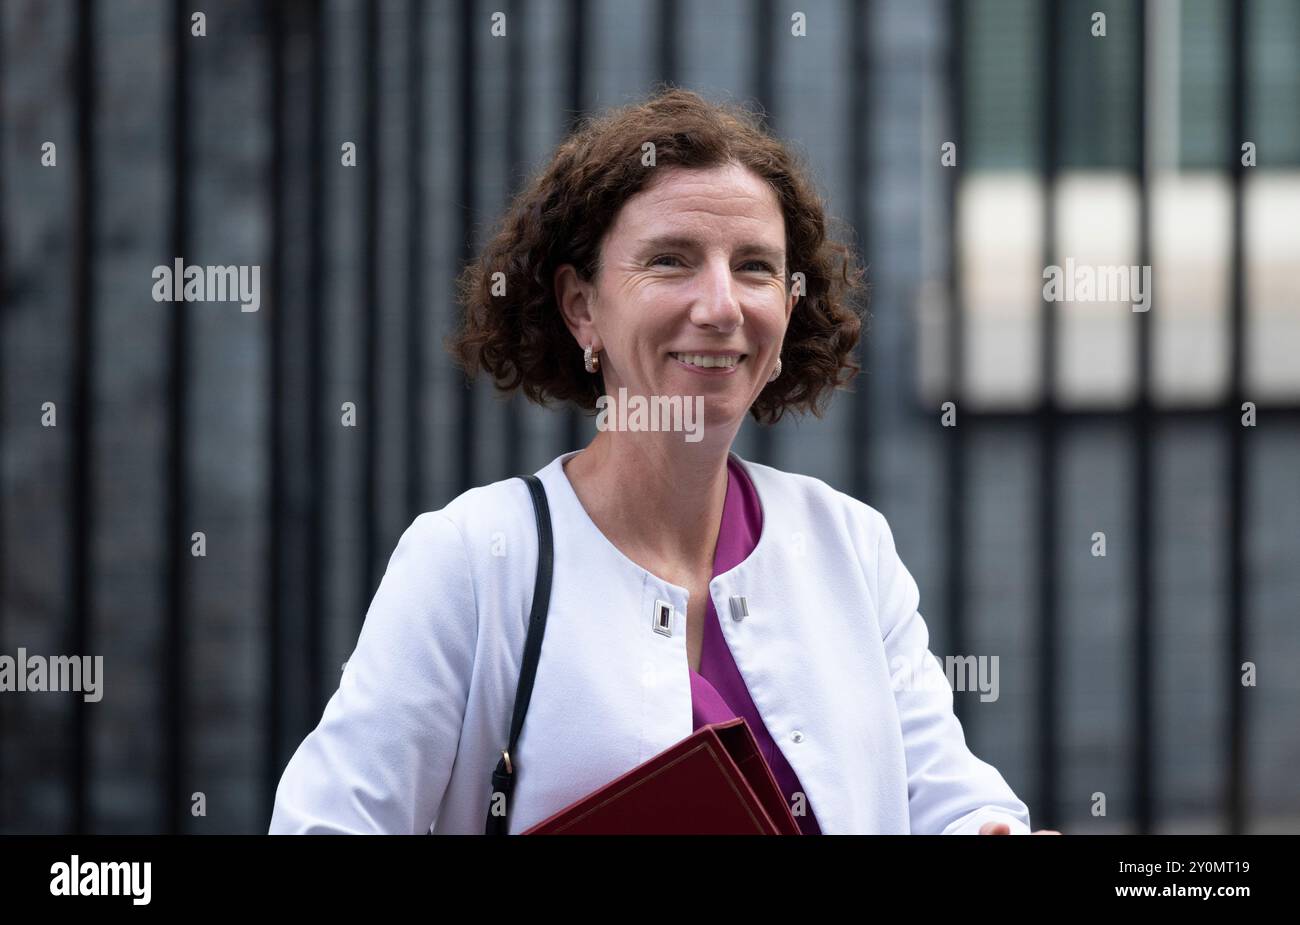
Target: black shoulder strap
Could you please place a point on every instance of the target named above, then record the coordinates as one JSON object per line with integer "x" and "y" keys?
{"x": 503, "y": 780}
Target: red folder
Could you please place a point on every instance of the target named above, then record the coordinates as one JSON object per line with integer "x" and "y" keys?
{"x": 713, "y": 782}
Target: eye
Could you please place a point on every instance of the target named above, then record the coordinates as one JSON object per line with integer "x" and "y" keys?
{"x": 763, "y": 264}
{"x": 655, "y": 261}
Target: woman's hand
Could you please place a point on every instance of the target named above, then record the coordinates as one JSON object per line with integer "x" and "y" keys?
{"x": 1001, "y": 828}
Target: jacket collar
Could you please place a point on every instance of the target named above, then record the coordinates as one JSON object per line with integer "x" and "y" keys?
{"x": 567, "y": 508}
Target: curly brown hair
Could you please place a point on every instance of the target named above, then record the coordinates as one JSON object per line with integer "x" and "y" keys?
{"x": 518, "y": 335}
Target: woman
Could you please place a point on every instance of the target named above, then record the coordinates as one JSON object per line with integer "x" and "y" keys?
{"x": 670, "y": 250}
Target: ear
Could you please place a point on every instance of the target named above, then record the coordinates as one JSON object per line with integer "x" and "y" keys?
{"x": 575, "y": 297}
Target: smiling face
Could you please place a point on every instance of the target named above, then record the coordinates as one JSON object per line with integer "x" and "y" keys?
{"x": 691, "y": 297}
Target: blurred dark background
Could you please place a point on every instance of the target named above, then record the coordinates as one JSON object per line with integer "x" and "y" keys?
{"x": 1119, "y": 675}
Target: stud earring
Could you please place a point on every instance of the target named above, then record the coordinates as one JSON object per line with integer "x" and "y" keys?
{"x": 590, "y": 359}
{"x": 776, "y": 372}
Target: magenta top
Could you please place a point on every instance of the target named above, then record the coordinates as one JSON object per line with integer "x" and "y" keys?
{"x": 718, "y": 692}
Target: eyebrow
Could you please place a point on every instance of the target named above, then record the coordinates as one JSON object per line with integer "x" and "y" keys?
{"x": 686, "y": 242}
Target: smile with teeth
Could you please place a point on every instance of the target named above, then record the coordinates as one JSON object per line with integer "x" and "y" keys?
{"x": 707, "y": 362}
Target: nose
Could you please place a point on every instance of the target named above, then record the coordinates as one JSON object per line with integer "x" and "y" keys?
{"x": 716, "y": 306}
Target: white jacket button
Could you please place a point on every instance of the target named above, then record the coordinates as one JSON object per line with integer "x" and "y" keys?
{"x": 796, "y": 736}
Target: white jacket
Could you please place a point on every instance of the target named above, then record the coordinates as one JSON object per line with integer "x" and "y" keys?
{"x": 408, "y": 742}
